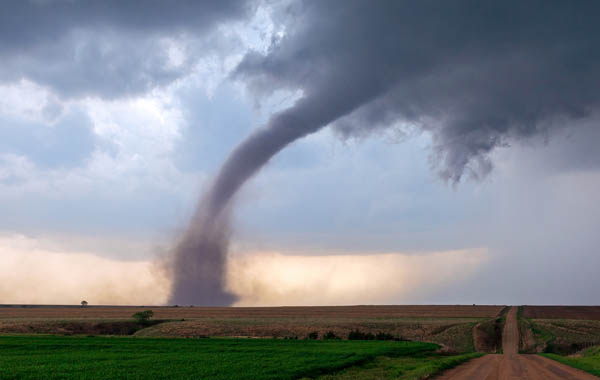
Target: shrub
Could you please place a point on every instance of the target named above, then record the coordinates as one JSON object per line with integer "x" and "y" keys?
{"x": 142, "y": 317}
{"x": 313, "y": 335}
{"x": 384, "y": 336}
{"x": 330, "y": 335}
{"x": 359, "y": 335}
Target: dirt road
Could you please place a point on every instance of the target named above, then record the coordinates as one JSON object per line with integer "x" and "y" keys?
{"x": 511, "y": 365}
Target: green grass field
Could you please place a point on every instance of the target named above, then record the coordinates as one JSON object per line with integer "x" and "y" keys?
{"x": 50, "y": 357}
{"x": 589, "y": 361}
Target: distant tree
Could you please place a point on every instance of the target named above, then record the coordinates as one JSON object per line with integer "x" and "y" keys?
{"x": 142, "y": 317}
{"x": 84, "y": 303}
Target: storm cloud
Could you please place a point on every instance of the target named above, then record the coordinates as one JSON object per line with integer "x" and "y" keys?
{"x": 109, "y": 48}
{"x": 475, "y": 74}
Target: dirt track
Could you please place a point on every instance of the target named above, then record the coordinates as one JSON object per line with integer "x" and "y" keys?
{"x": 511, "y": 365}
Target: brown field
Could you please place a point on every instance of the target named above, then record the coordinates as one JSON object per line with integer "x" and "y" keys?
{"x": 169, "y": 312}
{"x": 451, "y": 326}
{"x": 562, "y": 312}
{"x": 455, "y": 333}
{"x": 559, "y": 329}
{"x": 563, "y": 336}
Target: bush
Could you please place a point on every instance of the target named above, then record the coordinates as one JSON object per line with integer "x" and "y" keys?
{"x": 142, "y": 317}
{"x": 330, "y": 335}
{"x": 384, "y": 336}
{"x": 359, "y": 335}
{"x": 313, "y": 335}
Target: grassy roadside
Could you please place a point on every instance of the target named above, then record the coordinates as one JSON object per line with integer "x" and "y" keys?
{"x": 527, "y": 337}
{"x": 402, "y": 368}
{"x": 588, "y": 362}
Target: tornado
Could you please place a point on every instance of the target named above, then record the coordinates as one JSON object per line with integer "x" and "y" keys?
{"x": 474, "y": 76}
{"x": 199, "y": 259}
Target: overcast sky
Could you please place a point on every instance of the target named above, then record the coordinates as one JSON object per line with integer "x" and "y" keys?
{"x": 457, "y": 162}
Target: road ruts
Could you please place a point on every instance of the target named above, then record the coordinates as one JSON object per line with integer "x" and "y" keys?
{"x": 510, "y": 365}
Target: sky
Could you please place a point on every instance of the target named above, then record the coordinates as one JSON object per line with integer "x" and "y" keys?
{"x": 445, "y": 153}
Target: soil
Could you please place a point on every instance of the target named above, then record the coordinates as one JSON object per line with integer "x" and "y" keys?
{"x": 74, "y": 327}
{"x": 562, "y": 312}
{"x": 487, "y": 336}
{"x": 187, "y": 312}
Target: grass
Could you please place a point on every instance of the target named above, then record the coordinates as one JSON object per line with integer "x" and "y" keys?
{"x": 455, "y": 333}
{"x": 588, "y": 362}
{"x": 415, "y": 367}
{"x": 53, "y": 357}
{"x": 565, "y": 336}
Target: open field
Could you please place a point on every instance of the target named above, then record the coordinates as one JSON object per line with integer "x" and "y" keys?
{"x": 156, "y": 350}
{"x": 562, "y": 312}
{"x": 170, "y": 312}
{"x": 559, "y": 329}
{"x": 49, "y": 357}
{"x": 563, "y": 336}
{"x": 450, "y": 326}
{"x": 455, "y": 333}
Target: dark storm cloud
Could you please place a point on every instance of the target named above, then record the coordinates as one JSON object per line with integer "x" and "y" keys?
{"x": 476, "y": 74}
{"x": 105, "y": 48}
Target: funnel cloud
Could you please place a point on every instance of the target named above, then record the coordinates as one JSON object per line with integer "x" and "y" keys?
{"x": 199, "y": 258}
{"x": 475, "y": 75}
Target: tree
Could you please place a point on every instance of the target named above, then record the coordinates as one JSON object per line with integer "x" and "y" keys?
{"x": 84, "y": 303}
{"x": 142, "y": 317}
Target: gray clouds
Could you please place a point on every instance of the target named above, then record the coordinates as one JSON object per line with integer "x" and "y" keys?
{"x": 476, "y": 74}
{"x": 105, "y": 48}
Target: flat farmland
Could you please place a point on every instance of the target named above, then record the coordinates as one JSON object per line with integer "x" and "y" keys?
{"x": 562, "y": 312}
{"x": 450, "y": 326}
{"x": 58, "y": 357}
{"x": 187, "y": 312}
{"x": 559, "y": 329}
